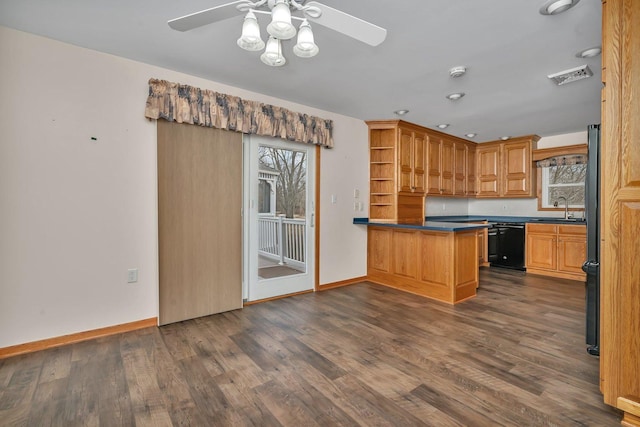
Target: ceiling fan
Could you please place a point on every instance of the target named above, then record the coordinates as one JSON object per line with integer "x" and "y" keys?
{"x": 281, "y": 27}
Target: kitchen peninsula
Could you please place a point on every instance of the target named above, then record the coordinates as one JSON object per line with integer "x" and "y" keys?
{"x": 434, "y": 259}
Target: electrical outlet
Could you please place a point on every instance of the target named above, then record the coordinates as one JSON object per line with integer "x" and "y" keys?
{"x": 132, "y": 275}
{"x": 356, "y": 206}
{"x": 334, "y": 199}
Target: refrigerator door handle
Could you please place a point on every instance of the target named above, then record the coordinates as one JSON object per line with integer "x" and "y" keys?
{"x": 591, "y": 266}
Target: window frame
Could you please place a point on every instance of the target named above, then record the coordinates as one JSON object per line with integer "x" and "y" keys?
{"x": 546, "y": 153}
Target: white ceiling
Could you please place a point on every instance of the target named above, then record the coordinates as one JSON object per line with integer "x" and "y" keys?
{"x": 508, "y": 47}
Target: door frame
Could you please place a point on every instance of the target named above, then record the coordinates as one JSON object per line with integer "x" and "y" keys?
{"x": 246, "y": 197}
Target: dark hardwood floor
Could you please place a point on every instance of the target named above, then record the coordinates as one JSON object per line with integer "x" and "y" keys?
{"x": 358, "y": 355}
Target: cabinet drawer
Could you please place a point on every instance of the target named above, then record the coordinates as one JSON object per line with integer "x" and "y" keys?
{"x": 576, "y": 230}
{"x": 542, "y": 228}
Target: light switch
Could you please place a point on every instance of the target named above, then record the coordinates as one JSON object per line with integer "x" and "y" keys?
{"x": 334, "y": 199}
{"x": 356, "y": 193}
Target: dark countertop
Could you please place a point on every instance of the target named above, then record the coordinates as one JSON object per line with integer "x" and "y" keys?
{"x": 427, "y": 225}
{"x": 497, "y": 218}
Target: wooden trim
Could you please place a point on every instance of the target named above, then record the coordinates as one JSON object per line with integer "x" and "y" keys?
{"x": 316, "y": 271}
{"x": 30, "y": 347}
{"x": 341, "y": 283}
{"x": 580, "y": 277}
{"x": 248, "y": 303}
{"x": 545, "y": 153}
{"x": 629, "y": 404}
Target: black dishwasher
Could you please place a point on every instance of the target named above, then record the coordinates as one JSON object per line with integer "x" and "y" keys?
{"x": 506, "y": 245}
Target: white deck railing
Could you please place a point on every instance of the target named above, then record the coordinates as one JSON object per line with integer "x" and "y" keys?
{"x": 282, "y": 239}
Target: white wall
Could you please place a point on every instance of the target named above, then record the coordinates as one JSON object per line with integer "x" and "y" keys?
{"x": 437, "y": 206}
{"x": 76, "y": 213}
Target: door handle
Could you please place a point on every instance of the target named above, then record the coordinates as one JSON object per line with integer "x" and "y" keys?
{"x": 313, "y": 220}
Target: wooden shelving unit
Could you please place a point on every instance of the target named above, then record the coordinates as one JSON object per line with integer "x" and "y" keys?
{"x": 382, "y": 174}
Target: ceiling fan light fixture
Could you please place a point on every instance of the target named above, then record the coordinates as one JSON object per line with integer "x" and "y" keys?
{"x": 554, "y": 7}
{"x": 281, "y": 26}
{"x": 250, "y": 39}
{"x": 272, "y": 55}
{"x": 306, "y": 46}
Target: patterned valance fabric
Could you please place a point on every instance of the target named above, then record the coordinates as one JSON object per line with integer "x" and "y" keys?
{"x": 187, "y": 104}
{"x": 574, "y": 159}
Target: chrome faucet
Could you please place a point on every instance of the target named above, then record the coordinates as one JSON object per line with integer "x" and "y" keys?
{"x": 566, "y": 207}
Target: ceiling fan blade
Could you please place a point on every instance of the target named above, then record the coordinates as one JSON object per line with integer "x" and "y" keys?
{"x": 349, "y": 25}
{"x": 205, "y": 17}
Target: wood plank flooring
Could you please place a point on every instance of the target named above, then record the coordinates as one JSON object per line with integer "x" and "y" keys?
{"x": 358, "y": 355}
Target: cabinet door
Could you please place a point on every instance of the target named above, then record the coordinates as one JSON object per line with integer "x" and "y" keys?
{"x": 517, "y": 169}
{"x": 446, "y": 167}
{"x": 572, "y": 252}
{"x": 471, "y": 170}
{"x": 433, "y": 156}
{"x": 405, "y": 162}
{"x": 541, "y": 251}
{"x": 419, "y": 162}
{"x": 488, "y": 163}
{"x": 460, "y": 169}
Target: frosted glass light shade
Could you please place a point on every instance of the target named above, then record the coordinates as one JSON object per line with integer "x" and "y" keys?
{"x": 281, "y": 26}
{"x": 273, "y": 53}
{"x": 250, "y": 38}
{"x": 305, "y": 47}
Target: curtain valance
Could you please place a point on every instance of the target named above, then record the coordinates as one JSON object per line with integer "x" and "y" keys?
{"x": 573, "y": 159}
{"x": 187, "y": 104}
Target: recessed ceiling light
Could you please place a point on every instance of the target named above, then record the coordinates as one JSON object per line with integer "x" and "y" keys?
{"x": 455, "y": 96}
{"x": 471, "y": 135}
{"x": 400, "y": 112}
{"x": 504, "y": 138}
{"x": 443, "y": 125}
{"x": 554, "y": 7}
{"x": 457, "y": 71}
{"x": 589, "y": 53}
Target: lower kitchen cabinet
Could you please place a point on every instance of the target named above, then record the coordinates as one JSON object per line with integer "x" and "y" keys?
{"x": 437, "y": 264}
{"x": 556, "y": 250}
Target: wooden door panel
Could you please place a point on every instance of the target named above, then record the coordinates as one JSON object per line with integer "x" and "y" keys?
{"x": 405, "y": 250}
{"x": 419, "y": 162}
{"x": 199, "y": 221}
{"x": 433, "y": 161}
{"x": 435, "y": 251}
{"x": 405, "y": 161}
{"x": 572, "y": 253}
{"x": 447, "y": 167}
{"x": 379, "y": 256}
{"x": 541, "y": 251}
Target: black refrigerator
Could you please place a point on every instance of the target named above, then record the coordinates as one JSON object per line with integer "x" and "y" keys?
{"x": 592, "y": 263}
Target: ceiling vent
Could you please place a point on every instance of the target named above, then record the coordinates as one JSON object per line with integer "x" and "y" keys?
{"x": 572, "y": 75}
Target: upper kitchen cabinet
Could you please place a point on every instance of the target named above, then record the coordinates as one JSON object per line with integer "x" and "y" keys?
{"x": 472, "y": 183}
{"x": 488, "y": 170}
{"x": 397, "y": 160}
{"x": 505, "y": 169}
{"x": 411, "y": 160}
{"x": 447, "y": 166}
{"x": 460, "y": 159}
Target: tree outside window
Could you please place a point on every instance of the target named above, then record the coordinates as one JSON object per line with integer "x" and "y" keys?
{"x": 563, "y": 181}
